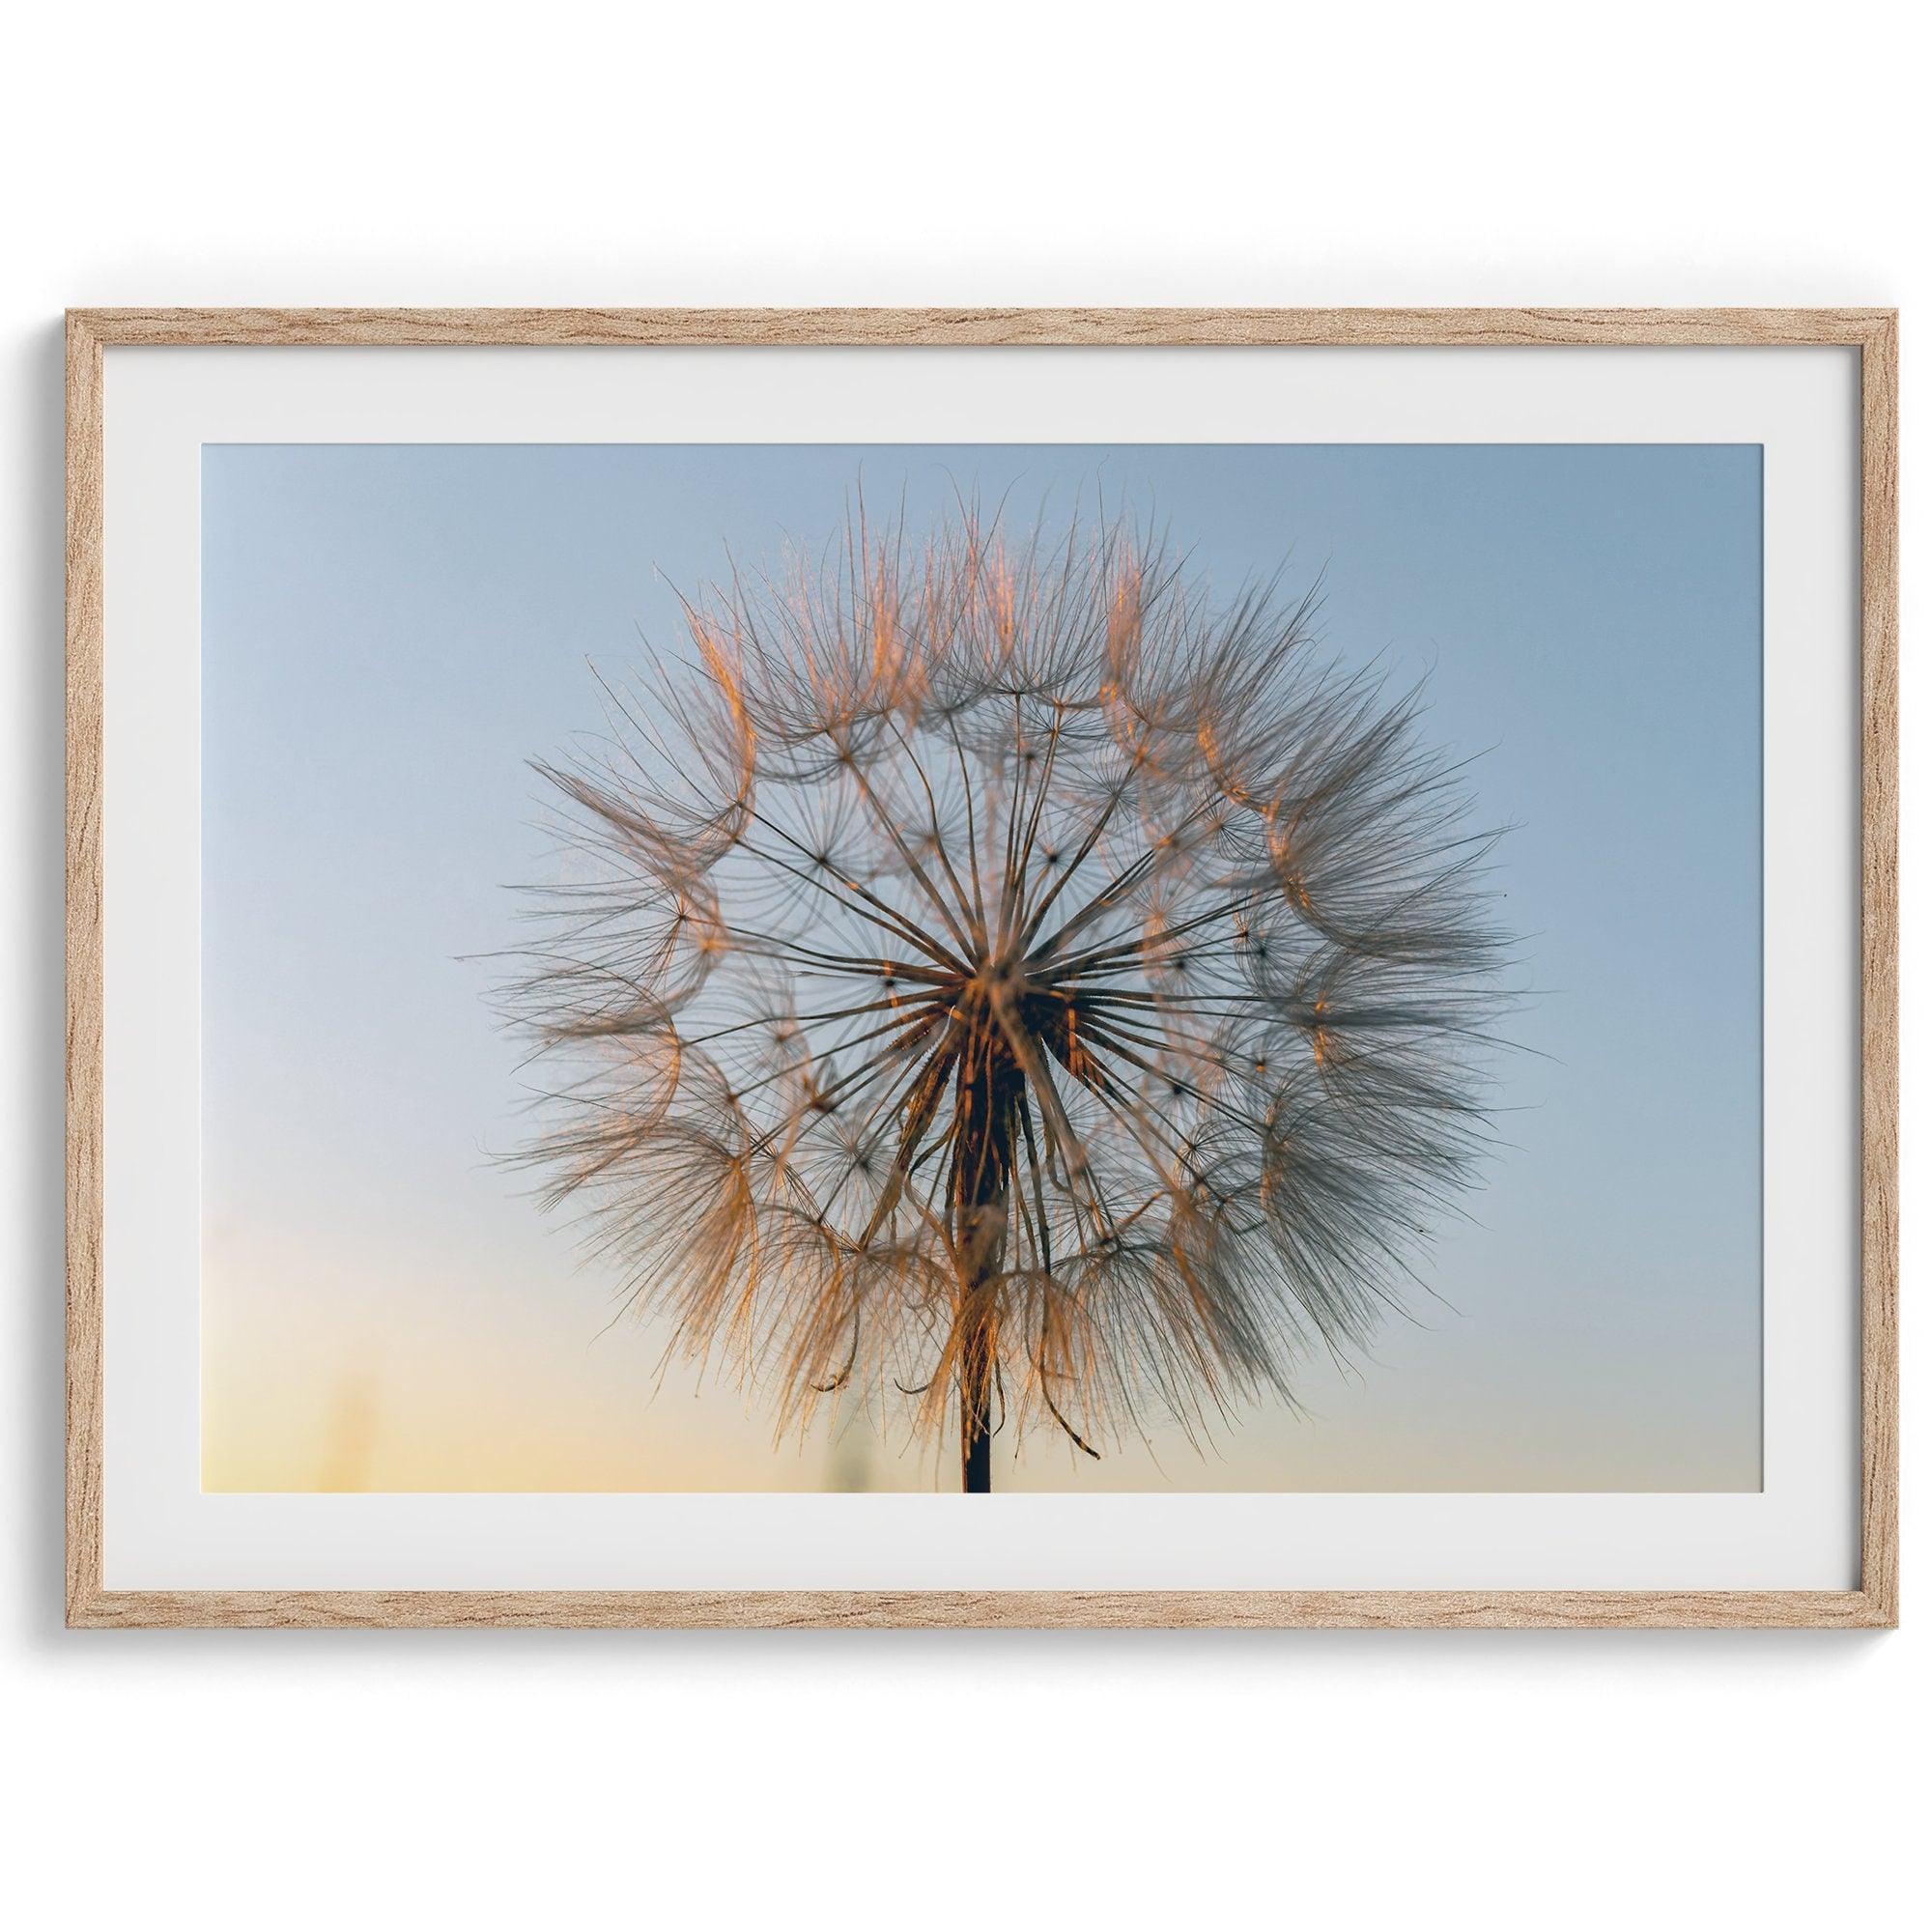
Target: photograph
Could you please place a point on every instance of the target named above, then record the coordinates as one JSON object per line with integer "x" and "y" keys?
{"x": 935, "y": 919}
{"x": 1050, "y": 968}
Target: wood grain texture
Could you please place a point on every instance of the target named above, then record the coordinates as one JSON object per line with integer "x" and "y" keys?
{"x": 1873, "y": 332}
{"x": 1878, "y": 963}
{"x": 1341, "y": 327}
{"x": 84, "y": 1008}
{"x": 1008, "y": 1610}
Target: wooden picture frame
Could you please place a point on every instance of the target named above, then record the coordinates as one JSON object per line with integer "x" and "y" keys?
{"x": 1871, "y": 332}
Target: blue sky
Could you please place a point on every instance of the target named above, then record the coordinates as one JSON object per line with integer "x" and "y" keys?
{"x": 389, "y": 633}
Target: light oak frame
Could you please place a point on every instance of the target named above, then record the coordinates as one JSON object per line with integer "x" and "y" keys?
{"x": 1872, "y": 333}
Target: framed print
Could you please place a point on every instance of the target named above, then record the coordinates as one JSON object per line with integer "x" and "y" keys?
{"x": 982, "y": 967}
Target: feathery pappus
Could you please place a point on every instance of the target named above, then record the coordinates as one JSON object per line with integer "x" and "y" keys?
{"x": 992, "y": 974}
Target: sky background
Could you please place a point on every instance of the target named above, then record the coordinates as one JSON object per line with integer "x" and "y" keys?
{"x": 391, "y": 632}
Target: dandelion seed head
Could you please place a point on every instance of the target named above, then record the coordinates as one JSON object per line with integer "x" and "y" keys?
{"x": 992, "y": 963}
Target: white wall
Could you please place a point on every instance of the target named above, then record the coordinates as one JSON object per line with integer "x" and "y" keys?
{"x": 837, "y": 154}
